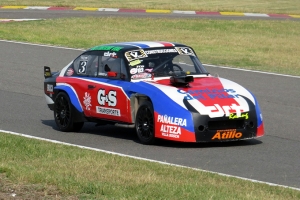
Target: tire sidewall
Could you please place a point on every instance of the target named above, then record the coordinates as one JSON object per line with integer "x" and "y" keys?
{"x": 143, "y": 140}
{"x": 69, "y": 126}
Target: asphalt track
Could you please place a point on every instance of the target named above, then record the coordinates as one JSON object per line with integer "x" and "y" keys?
{"x": 273, "y": 158}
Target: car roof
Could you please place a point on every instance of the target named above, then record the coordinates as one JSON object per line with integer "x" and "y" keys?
{"x": 125, "y": 46}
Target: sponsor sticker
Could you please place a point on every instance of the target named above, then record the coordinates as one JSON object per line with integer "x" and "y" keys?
{"x": 156, "y": 51}
{"x": 110, "y": 98}
{"x": 209, "y": 94}
{"x": 87, "y": 99}
{"x": 170, "y": 126}
{"x": 49, "y": 88}
{"x": 47, "y": 74}
{"x": 135, "y": 62}
{"x": 108, "y": 111}
{"x": 134, "y": 55}
{"x": 235, "y": 116}
{"x": 107, "y": 48}
{"x": 110, "y": 54}
{"x": 141, "y": 75}
{"x": 137, "y": 69}
{"x": 227, "y": 134}
{"x": 185, "y": 51}
{"x": 170, "y": 131}
{"x": 133, "y": 71}
{"x": 171, "y": 120}
{"x": 70, "y": 72}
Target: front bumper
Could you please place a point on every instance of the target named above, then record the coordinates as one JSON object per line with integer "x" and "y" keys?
{"x": 225, "y": 128}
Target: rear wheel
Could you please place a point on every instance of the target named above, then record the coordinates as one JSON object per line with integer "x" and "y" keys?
{"x": 144, "y": 123}
{"x": 63, "y": 114}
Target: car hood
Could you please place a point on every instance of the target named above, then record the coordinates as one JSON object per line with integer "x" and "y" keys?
{"x": 208, "y": 95}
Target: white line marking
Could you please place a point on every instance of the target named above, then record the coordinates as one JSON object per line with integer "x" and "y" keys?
{"x": 246, "y": 70}
{"x": 144, "y": 159}
{"x": 42, "y": 45}
{"x": 17, "y": 20}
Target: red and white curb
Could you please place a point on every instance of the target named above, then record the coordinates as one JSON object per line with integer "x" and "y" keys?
{"x": 152, "y": 11}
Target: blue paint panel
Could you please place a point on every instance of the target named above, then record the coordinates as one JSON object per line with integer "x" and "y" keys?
{"x": 258, "y": 111}
{"x": 72, "y": 96}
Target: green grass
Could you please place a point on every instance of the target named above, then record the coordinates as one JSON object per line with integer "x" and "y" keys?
{"x": 256, "y": 6}
{"x": 272, "y": 46}
{"x": 86, "y": 174}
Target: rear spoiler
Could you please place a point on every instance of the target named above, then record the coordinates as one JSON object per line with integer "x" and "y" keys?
{"x": 47, "y": 72}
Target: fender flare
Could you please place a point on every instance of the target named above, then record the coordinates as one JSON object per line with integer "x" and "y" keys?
{"x": 72, "y": 95}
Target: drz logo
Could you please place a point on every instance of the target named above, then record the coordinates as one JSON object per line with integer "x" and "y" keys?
{"x": 133, "y": 55}
{"x": 219, "y": 111}
{"x": 113, "y": 54}
{"x": 110, "y": 98}
{"x": 185, "y": 50}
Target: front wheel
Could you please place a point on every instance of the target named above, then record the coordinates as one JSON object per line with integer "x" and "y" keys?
{"x": 64, "y": 114}
{"x": 144, "y": 123}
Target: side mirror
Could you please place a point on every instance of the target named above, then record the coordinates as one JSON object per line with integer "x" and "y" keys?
{"x": 112, "y": 74}
{"x": 47, "y": 72}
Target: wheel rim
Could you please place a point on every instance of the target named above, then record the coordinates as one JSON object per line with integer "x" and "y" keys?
{"x": 145, "y": 124}
{"x": 62, "y": 111}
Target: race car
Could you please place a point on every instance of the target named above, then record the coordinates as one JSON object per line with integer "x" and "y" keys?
{"x": 160, "y": 88}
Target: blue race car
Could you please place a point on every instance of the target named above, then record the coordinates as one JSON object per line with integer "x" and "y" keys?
{"x": 160, "y": 88}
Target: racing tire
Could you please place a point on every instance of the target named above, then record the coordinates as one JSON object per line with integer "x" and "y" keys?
{"x": 144, "y": 123}
{"x": 64, "y": 114}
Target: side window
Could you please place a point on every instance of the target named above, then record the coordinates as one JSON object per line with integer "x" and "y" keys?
{"x": 86, "y": 65}
{"x": 185, "y": 63}
{"x": 104, "y": 66}
{"x": 110, "y": 64}
{"x": 124, "y": 72}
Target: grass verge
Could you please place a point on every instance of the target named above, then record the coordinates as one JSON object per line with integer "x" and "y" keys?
{"x": 68, "y": 172}
{"x": 272, "y": 46}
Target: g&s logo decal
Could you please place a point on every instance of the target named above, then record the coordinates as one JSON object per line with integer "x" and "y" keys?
{"x": 109, "y": 99}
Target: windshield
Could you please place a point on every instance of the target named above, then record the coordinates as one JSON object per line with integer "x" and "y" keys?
{"x": 144, "y": 64}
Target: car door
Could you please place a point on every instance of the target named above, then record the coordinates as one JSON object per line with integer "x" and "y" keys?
{"x": 107, "y": 92}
